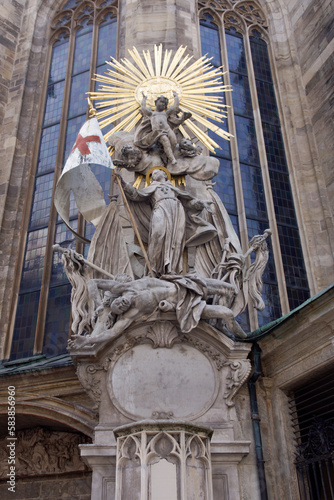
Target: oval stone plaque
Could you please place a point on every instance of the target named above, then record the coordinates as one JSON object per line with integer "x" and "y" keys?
{"x": 180, "y": 380}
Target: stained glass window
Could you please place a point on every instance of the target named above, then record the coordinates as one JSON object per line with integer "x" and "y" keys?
{"x": 290, "y": 245}
{"x": 248, "y": 162}
{"x": 55, "y": 132}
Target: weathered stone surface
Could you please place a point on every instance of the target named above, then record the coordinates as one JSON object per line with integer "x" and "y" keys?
{"x": 76, "y": 487}
{"x": 300, "y": 32}
{"x": 171, "y": 374}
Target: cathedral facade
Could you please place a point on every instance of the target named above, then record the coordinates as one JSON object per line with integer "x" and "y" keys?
{"x": 249, "y": 418}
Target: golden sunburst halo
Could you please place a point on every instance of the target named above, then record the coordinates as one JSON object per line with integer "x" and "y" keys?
{"x": 198, "y": 85}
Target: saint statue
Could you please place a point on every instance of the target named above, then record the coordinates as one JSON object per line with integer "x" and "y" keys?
{"x": 173, "y": 220}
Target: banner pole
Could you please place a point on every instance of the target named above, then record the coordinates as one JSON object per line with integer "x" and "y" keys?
{"x": 134, "y": 225}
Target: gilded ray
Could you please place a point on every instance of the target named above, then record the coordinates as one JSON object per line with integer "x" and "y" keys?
{"x": 191, "y": 107}
{"x": 135, "y": 70}
{"x": 138, "y": 60}
{"x": 198, "y": 84}
{"x": 180, "y": 67}
{"x": 178, "y": 54}
{"x": 200, "y": 63}
{"x": 115, "y": 117}
{"x": 167, "y": 57}
{"x": 157, "y": 59}
{"x": 149, "y": 64}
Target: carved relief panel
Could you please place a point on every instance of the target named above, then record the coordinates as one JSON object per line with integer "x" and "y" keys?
{"x": 158, "y": 372}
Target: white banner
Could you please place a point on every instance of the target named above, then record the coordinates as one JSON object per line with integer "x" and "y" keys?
{"x": 77, "y": 176}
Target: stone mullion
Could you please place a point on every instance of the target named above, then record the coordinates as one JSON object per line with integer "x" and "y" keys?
{"x": 242, "y": 221}
{"x": 183, "y": 465}
{"x": 39, "y": 337}
{"x": 292, "y": 174}
{"x": 209, "y": 470}
{"x": 26, "y": 215}
{"x": 266, "y": 181}
{"x": 144, "y": 466}
{"x": 92, "y": 71}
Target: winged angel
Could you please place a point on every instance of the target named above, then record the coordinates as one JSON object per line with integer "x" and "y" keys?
{"x": 115, "y": 288}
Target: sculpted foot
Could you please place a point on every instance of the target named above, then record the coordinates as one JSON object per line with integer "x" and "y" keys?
{"x": 78, "y": 341}
{"x": 236, "y": 329}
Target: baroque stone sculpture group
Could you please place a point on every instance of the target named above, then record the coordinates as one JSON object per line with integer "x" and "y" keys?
{"x": 169, "y": 221}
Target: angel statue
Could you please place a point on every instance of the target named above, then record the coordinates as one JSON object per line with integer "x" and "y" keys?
{"x": 157, "y": 126}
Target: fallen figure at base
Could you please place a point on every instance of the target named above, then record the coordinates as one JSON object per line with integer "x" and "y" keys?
{"x": 139, "y": 299}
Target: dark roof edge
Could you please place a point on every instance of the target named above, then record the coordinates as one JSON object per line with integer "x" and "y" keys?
{"x": 35, "y": 363}
{"x": 261, "y": 332}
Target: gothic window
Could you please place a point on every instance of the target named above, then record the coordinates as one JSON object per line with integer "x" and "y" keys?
{"x": 83, "y": 37}
{"x": 253, "y": 181}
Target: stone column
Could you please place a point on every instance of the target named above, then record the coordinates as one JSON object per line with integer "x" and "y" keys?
{"x": 170, "y": 22}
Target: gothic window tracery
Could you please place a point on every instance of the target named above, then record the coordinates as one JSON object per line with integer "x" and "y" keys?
{"x": 83, "y": 36}
{"x": 253, "y": 181}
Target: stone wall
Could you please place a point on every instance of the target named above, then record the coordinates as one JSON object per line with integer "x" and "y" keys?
{"x": 152, "y": 22}
{"x": 75, "y": 486}
{"x": 314, "y": 32}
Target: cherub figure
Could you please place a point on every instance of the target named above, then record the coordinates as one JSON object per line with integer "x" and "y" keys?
{"x": 158, "y": 125}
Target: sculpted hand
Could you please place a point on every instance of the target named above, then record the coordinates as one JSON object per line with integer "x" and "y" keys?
{"x": 122, "y": 181}
{"x": 201, "y": 204}
{"x": 207, "y": 206}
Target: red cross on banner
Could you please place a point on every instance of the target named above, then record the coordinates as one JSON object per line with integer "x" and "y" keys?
{"x": 81, "y": 143}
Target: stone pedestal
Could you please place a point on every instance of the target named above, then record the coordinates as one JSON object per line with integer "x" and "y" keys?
{"x": 162, "y": 396}
{"x": 163, "y": 460}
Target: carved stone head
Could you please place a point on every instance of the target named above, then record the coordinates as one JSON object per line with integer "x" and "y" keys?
{"x": 161, "y": 103}
{"x": 188, "y": 149}
{"x": 121, "y": 305}
{"x": 159, "y": 175}
{"x": 132, "y": 155}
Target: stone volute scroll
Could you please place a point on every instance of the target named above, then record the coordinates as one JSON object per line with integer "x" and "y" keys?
{"x": 155, "y": 340}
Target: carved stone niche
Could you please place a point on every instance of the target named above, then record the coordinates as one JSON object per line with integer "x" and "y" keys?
{"x": 169, "y": 457}
{"x": 155, "y": 371}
